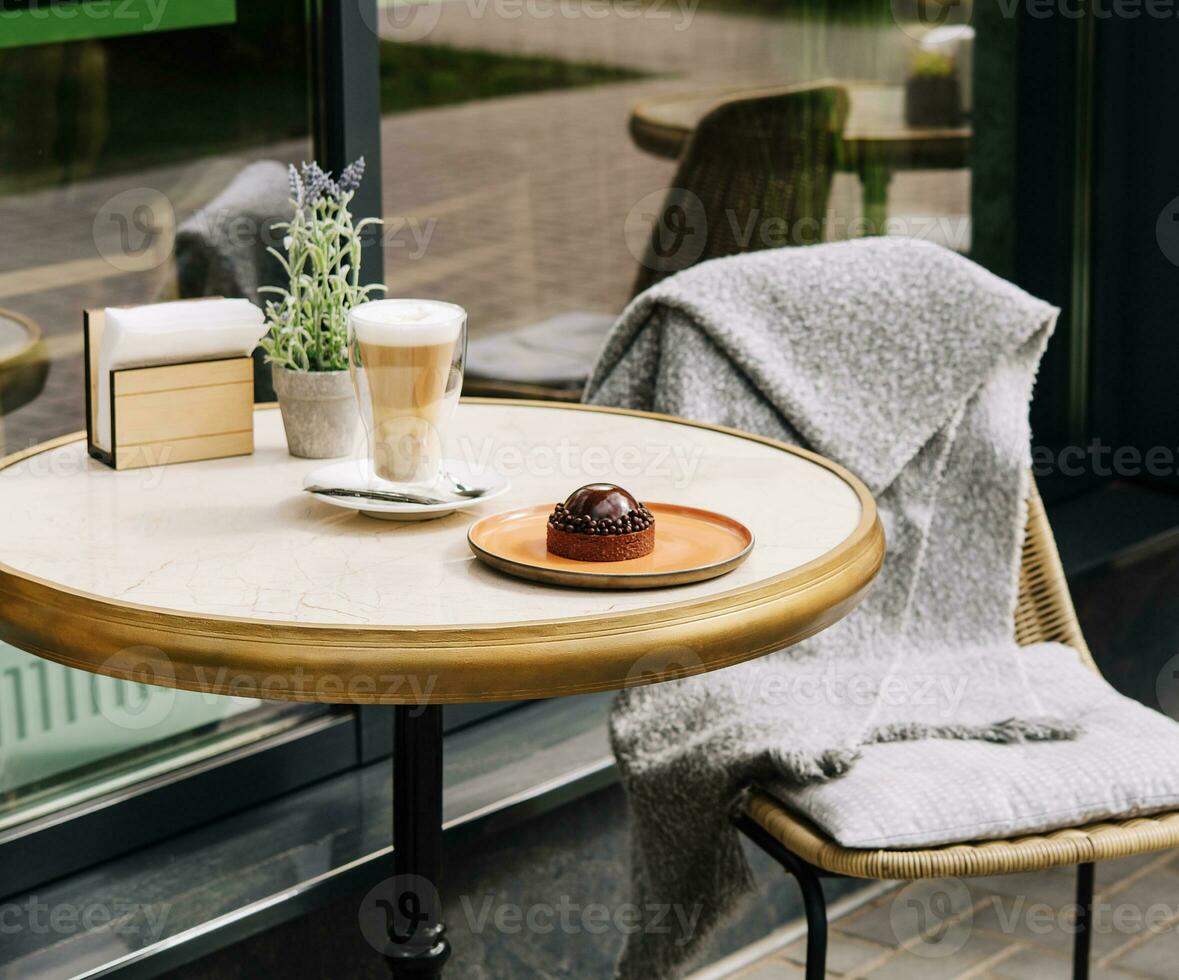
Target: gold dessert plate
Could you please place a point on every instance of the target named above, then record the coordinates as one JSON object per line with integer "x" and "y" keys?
{"x": 691, "y": 545}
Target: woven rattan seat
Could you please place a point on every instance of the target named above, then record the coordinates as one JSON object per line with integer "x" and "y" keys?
{"x": 1035, "y": 852}
{"x": 1044, "y": 613}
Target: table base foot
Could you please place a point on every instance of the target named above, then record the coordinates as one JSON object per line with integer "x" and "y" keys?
{"x": 424, "y": 956}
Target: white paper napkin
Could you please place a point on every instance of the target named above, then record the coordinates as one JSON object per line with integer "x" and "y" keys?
{"x": 171, "y": 333}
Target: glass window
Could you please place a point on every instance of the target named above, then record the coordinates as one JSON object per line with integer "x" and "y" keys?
{"x": 139, "y": 162}
{"x": 547, "y": 157}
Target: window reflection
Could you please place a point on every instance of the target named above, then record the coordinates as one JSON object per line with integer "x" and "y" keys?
{"x": 133, "y": 169}
{"x": 636, "y": 138}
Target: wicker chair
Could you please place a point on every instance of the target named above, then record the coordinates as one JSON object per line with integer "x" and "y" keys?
{"x": 755, "y": 174}
{"x": 1045, "y": 612}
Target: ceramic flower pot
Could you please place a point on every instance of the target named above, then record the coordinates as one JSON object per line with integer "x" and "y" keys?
{"x": 319, "y": 412}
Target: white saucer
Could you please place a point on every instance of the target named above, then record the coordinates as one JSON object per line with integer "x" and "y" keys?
{"x": 357, "y": 474}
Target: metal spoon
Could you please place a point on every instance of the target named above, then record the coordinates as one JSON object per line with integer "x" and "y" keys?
{"x": 387, "y": 496}
{"x": 464, "y": 491}
{"x": 395, "y": 496}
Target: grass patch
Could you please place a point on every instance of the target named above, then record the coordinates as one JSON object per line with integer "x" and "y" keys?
{"x": 419, "y": 76}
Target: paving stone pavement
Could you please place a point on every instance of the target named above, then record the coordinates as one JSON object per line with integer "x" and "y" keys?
{"x": 524, "y": 207}
{"x": 1012, "y": 927}
{"x": 661, "y": 37}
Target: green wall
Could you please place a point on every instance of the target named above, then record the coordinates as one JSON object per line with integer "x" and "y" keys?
{"x": 52, "y": 23}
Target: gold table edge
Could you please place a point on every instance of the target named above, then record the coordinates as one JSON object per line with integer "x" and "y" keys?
{"x": 470, "y": 662}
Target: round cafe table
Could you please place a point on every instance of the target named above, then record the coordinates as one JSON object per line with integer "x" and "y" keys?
{"x": 222, "y": 576}
{"x": 24, "y": 364}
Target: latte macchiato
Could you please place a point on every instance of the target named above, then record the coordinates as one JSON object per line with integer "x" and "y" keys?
{"x": 407, "y": 367}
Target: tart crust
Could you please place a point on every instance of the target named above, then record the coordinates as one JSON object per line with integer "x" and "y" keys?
{"x": 601, "y": 547}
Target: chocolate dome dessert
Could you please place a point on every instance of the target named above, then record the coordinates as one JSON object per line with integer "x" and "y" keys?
{"x": 601, "y": 522}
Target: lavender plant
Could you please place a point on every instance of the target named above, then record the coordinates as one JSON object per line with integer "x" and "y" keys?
{"x": 309, "y": 321}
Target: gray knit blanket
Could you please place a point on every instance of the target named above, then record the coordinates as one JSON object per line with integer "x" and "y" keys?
{"x": 913, "y": 367}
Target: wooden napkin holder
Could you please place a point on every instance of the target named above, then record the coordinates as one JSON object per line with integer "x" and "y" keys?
{"x": 171, "y": 413}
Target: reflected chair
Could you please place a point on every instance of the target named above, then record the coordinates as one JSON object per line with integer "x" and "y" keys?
{"x": 755, "y": 174}
{"x": 222, "y": 249}
{"x": 1044, "y": 614}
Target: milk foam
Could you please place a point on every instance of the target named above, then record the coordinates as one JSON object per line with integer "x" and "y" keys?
{"x": 407, "y": 322}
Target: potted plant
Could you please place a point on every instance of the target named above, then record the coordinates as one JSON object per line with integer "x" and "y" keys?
{"x": 307, "y": 346}
{"x": 932, "y": 97}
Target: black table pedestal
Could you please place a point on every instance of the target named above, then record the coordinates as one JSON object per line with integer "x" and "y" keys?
{"x": 417, "y": 937}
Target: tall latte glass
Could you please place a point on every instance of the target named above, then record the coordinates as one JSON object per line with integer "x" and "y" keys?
{"x": 406, "y": 357}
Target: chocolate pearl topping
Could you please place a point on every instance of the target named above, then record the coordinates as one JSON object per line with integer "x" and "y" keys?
{"x": 602, "y": 509}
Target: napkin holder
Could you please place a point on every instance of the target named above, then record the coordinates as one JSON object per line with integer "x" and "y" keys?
{"x": 169, "y": 413}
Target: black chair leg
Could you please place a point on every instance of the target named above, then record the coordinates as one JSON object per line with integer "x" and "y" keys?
{"x": 814, "y": 902}
{"x": 1082, "y": 938}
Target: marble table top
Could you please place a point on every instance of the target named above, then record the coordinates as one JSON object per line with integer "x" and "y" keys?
{"x": 230, "y": 547}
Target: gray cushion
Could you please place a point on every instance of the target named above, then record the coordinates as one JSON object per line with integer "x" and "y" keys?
{"x": 221, "y": 250}
{"x": 558, "y": 351}
{"x": 911, "y": 794}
